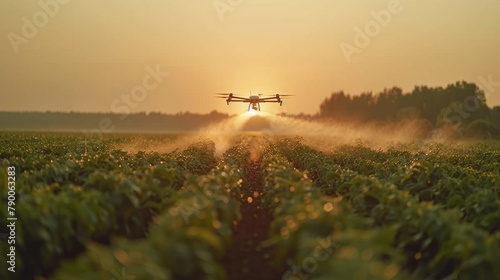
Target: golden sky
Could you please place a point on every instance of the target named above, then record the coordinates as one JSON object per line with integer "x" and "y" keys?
{"x": 87, "y": 55}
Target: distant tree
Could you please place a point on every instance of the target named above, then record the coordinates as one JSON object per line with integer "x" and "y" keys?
{"x": 336, "y": 106}
{"x": 362, "y": 106}
{"x": 387, "y": 104}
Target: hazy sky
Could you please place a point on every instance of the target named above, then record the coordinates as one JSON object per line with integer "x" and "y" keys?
{"x": 86, "y": 54}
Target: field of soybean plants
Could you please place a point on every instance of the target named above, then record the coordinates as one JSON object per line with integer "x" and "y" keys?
{"x": 264, "y": 207}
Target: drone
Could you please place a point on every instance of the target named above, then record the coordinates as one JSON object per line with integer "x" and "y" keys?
{"x": 253, "y": 100}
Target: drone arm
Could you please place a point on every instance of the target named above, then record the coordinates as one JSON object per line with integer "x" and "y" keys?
{"x": 238, "y": 100}
{"x": 270, "y": 101}
{"x": 268, "y": 98}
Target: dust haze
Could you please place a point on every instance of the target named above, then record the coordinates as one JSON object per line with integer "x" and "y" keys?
{"x": 320, "y": 135}
{"x": 324, "y": 136}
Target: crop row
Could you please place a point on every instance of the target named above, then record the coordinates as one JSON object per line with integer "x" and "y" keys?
{"x": 317, "y": 236}
{"x": 59, "y": 215}
{"x": 186, "y": 240}
{"x": 434, "y": 241}
{"x": 429, "y": 178}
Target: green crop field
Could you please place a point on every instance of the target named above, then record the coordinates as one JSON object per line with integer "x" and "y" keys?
{"x": 266, "y": 207}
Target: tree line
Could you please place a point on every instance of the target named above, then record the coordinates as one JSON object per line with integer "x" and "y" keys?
{"x": 460, "y": 107}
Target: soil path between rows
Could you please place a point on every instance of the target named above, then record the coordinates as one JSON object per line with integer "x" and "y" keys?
{"x": 245, "y": 259}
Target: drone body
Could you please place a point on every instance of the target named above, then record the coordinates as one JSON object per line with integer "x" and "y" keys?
{"x": 253, "y": 100}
